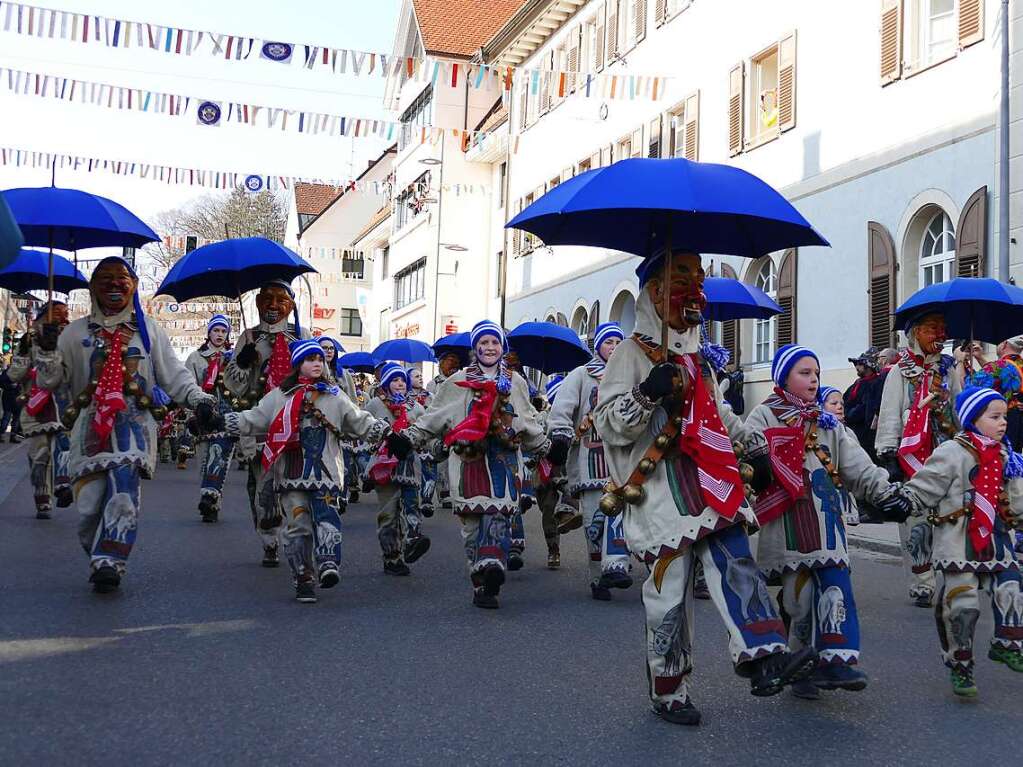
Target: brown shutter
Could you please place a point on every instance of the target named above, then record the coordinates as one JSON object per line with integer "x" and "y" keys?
{"x": 891, "y": 40}
{"x": 691, "y": 132}
{"x": 971, "y": 237}
{"x": 573, "y": 58}
{"x": 638, "y": 20}
{"x": 787, "y": 83}
{"x": 612, "y": 30}
{"x": 730, "y": 329}
{"x": 881, "y": 258}
{"x": 597, "y": 62}
{"x": 516, "y": 243}
{"x": 787, "y": 299}
{"x": 660, "y": 11}
{"x": 735, "y": 78}
{"x": 971, "y": 22}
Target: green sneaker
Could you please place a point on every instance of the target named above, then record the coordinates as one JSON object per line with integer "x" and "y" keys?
{"x": 1011, "y": 658}
{"x": 962, "y": 682}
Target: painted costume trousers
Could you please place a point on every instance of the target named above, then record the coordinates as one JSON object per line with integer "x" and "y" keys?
{"x": 822, "y": 611}
{"x": 398, "y": 520}
{"x": 214, "y": 463}
{"x": 108, "y": 509}
{"x": 263, "y": 501}
{"x": 605, "y": 540}
{"x": 739, "y": 593}
{"x": 312, "y": 533}
{"x": 487, "y": 540}
{"x": 48, "y": 465}
{"x": 443, "y": 481}
{"x": 957, "y": 609}
{"x": 551, "y": 499}
{"x": 915, "y": 535}
{"x": 428, "y": 482}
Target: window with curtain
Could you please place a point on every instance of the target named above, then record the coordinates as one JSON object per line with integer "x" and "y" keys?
{"x": 764, "y": 331}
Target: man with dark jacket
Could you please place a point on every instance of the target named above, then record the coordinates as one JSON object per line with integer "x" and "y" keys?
{"x": 12, "y": 408}
{"x": 863, "y": 401}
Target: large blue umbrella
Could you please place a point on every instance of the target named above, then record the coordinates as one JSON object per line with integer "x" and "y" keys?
{"x": 70, "y": 219}
{"x": 232, "y": 267}
{"x": 641, "y": 205}
{"x": 456, "y": 343}
{"x": 11, "y": 239}
{"x": 547, "y": 347}
{"x": 729, "y": 299}
{"x": 974, "y": 308}
{"x": 360, "y": 362}
{"x": 404, "y": 350}
{"x": 30, "y": 271}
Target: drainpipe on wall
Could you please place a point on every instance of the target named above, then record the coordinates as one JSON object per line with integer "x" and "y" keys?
{"x": 1003, "y": 151}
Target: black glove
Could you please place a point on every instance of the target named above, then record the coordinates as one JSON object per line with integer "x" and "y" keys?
{"x": 209, "y": 420}
{"x": 659, "y": 382}
{"x": 399, "y": 445}
{"x": 558, "y": 452}
{"x": 895, "y": 508}
{"x": 890, "y": 461}
{"x": 192, "y": 424}
{"x": 48, "y": 337}
{"x": 247, "y": 356}
{"x": 762, "y": 472}
{"x": 24, "y": 345}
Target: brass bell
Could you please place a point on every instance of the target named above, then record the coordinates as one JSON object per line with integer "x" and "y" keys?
{"x": 458, "y": 448}
{"x": 244, "y": 402}
{"x": 611, "y": 505}
{"x": 633, "y": 494}
{"x": 83, "y": 399}
{"x": 93, "y": 382}
{"x": 661, "y": 441}
{"x": 677, "y": 420}
{"x": 70, "y": 416}
{"x": 746, "y": 473}
{"x": 159, "y": 412}
{"x": 133, "y": 388}
{"x": 262, "y": 381}
{"x": 144, "y": 401}
{"x": 739, "y": 449}
{"x": 647, "y": 466}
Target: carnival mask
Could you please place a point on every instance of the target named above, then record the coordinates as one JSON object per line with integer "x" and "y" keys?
{"x": 274, "y": 304}
{"x": 112, "y": 287}
{"x": 448, "y": 364}
{"x": 686, "y": 299}
{"x": 930, "y": 333}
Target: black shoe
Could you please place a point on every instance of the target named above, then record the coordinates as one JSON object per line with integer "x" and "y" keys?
{"x": 773, "y": 672}
{"x": 415, "y": 548}
{"x": 16, "y": 438}
{"x": 567, "y": 522}
{"x": 806, "y": 689}
{"x": 447, "y": 505}
{"x": 208, "y": 511}
{"x": 600, "y": 593}
{"x": 329, "y": 578}
{"x": 270, "y": 556}
{"x": 922, "y": 600}
{"x": 368, "y": 485}
{"x": 353, "y": 496}
{"x": 492, "y": 578}
{"x": 486, "y": 601}
{"x": 616, "y": 579}
{"x": 305, "y": 592}
{"x": 104, "y": 579}
{"x": 839, "y": 676}
{"x": 342, "y": 506}
{"x": 396, "y": 568}
{"x": 65, "y": 497}
{"x": 678, "y": 713}
{"x": 515, "y": 562}
{"x": 426, "y": 510}
{"x": 42, "y": 512}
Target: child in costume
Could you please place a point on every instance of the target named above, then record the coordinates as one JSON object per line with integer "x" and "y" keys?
{"x": 814, "y": 459}
{"x": 574, "y": 437}
{"x": 447, "y": 366}
{"x": 207, "y": 364}
{"x": 483, "y": 414}
{"x": 971, "y": 489}
{"x": 551, "y": 485}
{"x": 833, "y": 402}
{"x": 304, "y": 420}
{"x": 332, "y": 351}
{"x": 397, "y": 482}
{"x": 427, "y": 465}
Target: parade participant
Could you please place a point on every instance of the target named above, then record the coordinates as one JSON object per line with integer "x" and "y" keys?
{"x": 816, "y": 465}
{"x": 48, "y": 442}
{"x": 551, "y": 484}
{"x": 573, "y": 436}
{"x": 397, "y": 481}
{"x": 971, "y": 488}
{"x": 427, "y": 465}
{"x": 304, "y": 419}
{"x": 114, "y": 413}
{"x": 207, "y": 364}
{"x": 675, "y": 478}
{"x": 1005, "y": 376}
{"x": 447, "y": 366}
{"x": 516, "y": 523}
{"x": 863, "y": 399}
{"x": 915, "y": 417}
{"x": 332, "y": 351}
{"x": 832, "y": 401}
{"x": 12, "y": 407}
{"x": 258, "y": 367}
{"x": 483, "y": 414}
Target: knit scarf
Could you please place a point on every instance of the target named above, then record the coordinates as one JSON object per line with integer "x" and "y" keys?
{"x": 283, "y": 430}
{"x": 280, "y": 363}
{"x": 986, "y": 485}
{"x": 109, "y": 395}
{"x": 917, "y": 441}
{"x": 595, "y": 367}
{"x": 38, "y": 397}
{"x": 704, "y": 439}
{"x": 212, "y": 371}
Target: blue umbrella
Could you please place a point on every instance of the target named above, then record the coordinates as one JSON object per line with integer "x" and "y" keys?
{"x": 975, "y": 308}
{"x": 641, "y": 205}
{"x": 547, "y": 347}
{"x": 456, "y": 343}
{"x": 10, "y": 235}
{"x": 30, "y": 271}
{"x": 729, "y": 299}
{"x": 360, "y": 362}
{"x": 70, "y": 219}
{"x": 232, "y": 267}
{"x": 404, "y": 350}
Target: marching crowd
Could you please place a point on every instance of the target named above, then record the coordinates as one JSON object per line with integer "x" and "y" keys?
{"x": 639, "y": 448}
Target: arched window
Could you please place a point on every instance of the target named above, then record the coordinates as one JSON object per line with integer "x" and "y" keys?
{"x": 623, "y": 311}
{"x": 765, "y": 331}
{"x": 580, "y": 321}
{"x": 937, "y": 250}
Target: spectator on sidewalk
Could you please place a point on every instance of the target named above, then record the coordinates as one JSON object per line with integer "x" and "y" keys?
{"x": 863, "y": 401}
{"x": 12, "y": 408}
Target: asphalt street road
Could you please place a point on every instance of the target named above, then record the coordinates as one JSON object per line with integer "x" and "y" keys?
{"x": 205, "y": 658}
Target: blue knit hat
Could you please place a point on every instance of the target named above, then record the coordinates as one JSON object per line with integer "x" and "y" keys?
{"x": 302, "y": 349}
{"x": 140, "y": 316}
{"x": 826, "y": 391}
{"x": 785, "y": 358}
{"x": 218, "y": 321}
{"x": 485, "y": 328}
{"x": 605, "y": 331}
{"x": 552, "y": 387}
{"x": 971, "y": 401}
{"x": 391, "y": 371}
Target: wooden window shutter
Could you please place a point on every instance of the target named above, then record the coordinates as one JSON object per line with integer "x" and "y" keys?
{"x": 971, "y": 237}
{"x": 597, "y": 62}
{"x": 545, "y": 88}
{"x": 591, "y": 324}
{"x": 787, "y": 82}
{"x": 881, "y": 258}
{"x": 735, "y": 83}
{"x": 730, "y": 329}
{"x": 786, "y": 328}
{"x": 660, "y": 11}
{"x": 524, "y": 106}
{"x": 516, "y": 243}
{"x": 595, "y": 160}
{"x": 638, "y": 20}
{"x": 573, "y": 58}
{"x": 612, "y": 30}
{"x": 971, "y": 22}
{"x": 891, "y": 40}
{"x": 691, "y": 132}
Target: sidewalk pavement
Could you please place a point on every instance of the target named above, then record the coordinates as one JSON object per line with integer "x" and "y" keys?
{"x": 883, "y": 537}
{"x": 13, "y": 466}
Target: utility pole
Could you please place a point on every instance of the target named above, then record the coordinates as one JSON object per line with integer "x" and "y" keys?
{"x": 1003, "y": 160}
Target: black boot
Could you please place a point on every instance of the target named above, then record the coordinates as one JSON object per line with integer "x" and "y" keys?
{"x": 772, "y": 673}
{"x": 271, "y": 558}
{"x": 615, "y": 579}
{"x": 426, "y": 510}
{"x": 515, "y": 561}
{"x": 305, "y": 592}
{"x": 329, "y": 577}
{"x": 104, "y": 579}
{"x": 396, "y": 567}
{"x": 208, "y": 510}
{"x": 678, "y": 713}
{"x": 65, "y": 497}
{"x": 416, "y": 547}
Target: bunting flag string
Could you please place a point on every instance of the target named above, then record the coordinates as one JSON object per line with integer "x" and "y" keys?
{"x": 36, "y": 21}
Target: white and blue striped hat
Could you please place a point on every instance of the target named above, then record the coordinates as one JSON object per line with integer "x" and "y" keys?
{"x": 785, "y": 358}
{"x": 302, "y": 349}
{"x": 218, "y": 321}
{"x": 971, "y": 401}
{"x": 389, "y": 372}
{"x": 484, "y": 328}
{"x": 552, "y": 387}
{"x": 826, "y": 391}
{"x": 605, "y": 331}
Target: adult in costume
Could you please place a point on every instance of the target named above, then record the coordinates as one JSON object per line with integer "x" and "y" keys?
{"x": 114, "y": 410}
{"x": 675, "y": 479}
{"x": 259, "y": 366}
{"x": 551, "y": 485}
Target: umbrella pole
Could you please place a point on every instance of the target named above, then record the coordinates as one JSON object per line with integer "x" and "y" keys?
{"x": 666, "y": 296}
{"x": 49, "y": 283}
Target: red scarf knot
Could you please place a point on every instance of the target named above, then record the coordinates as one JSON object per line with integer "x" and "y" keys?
{"x": 109, "y": 395}
{"x": 283, "y": 431}
{"x": 212, "y": 371}
{"x": 476, "y": 425}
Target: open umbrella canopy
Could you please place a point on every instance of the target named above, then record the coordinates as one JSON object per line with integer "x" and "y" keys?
{"x": 232, "y": 267}
{"x": 729, "y": 299}
{"x": 636, "y": 205}
{"x": 30, "y": 269}
{"x": 547, "y": 347}
{"x": 360, "y": 362}
{"x": 404, "y": 350}
{"x": 456, "y": 343}
{"x": 70, "y": 219}
{"x": 11, "y": 239}
{"x": 975, "y": 308}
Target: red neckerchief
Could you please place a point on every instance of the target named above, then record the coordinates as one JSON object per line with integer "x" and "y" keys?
{"x": 705, "y": 439}
{"x": 280, "y": 363}
{"x": 917, "y": 441}
{"x": 986, "y": 485}
{"x": 212, "y": 371}
{"x": 399, "y": 410}
{"x": 109, "y": 395}
{"x": 786, "y": 449}
{"x": 476, "y": 425}
{"x": 284, "y": 429}
{"x": 856, "y": 386}
{"x": 38, "y": 397}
